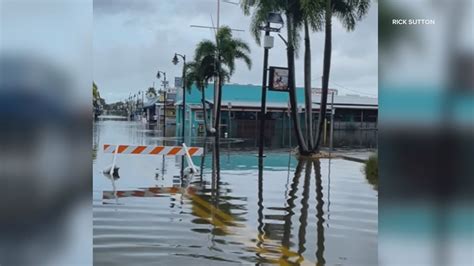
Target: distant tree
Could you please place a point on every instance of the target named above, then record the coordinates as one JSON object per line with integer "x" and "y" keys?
{"x": 95, "y": 94}
{"x": 151, "y": 92}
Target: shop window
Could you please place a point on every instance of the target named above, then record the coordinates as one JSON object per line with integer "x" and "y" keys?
{"x": 198, "y": 115}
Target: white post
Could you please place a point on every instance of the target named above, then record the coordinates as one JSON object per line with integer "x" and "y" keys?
{"x": 188, "y": 158}
{"x": 113, "y": 161}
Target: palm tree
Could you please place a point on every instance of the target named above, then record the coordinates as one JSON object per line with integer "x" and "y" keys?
{"x": 199, "y": 73}
{"x": 220, "y": 56}
{"x": 307, "y": 14}
{"x": 294, "y": 20}
{"x": 312, "y": 18}
{"x": 348, "y": 12}
{"x": 294, "y": 17}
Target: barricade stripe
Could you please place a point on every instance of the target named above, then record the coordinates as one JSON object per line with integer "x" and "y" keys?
{"x": 192, "y": 151}
{"x": 157, "y": 150}
{"x": 174, "y": 151}
{"x": 152, "y": 150}
{"x": 109, "y": 148}
{"x": 122, "y": 148}
{"x": 148, "y": 149}
{"x": 138, "y": 149}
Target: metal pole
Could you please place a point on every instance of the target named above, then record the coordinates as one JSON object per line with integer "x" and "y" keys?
{"x": 218, "y": 13}
{"x": 230, "y": 119}
{"x": 264, "y": 96}
{"x": 184, "y": 95}
{"x": 164, "y": 106}
{"x": 331, "y": 134}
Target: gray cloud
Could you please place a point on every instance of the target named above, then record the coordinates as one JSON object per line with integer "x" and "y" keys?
{"x": 129, "y": 48}
{"x": 112, "y": 7}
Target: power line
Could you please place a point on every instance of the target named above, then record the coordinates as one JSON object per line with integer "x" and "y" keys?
{"x": 356, "y": 91}
{"x": 351, "y": 90}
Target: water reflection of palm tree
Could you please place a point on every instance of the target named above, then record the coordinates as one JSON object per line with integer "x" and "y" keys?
{"x": 303, "y": 219}
{"x": 304, "y": 209}
{"x": 319, "y": 214}
{"x": 286, "y": 242}
{"x": 211, "y": 208}
{"x": 215, "y": 173}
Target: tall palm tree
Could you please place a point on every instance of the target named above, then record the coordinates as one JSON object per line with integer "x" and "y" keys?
{"x": 199, "y": 73}
{"x": 294, "y": 21}
{"x": 348, "y": 12}
{"x": 312, "y": 20}
{"x": 307, "y": 15}
{"x": 221, "y": 56}
{"x": 294, "y": 17}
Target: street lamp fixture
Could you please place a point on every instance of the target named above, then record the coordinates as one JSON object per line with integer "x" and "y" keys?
{"x": 160, "y": 73}
{"x": 175, "y": 59}
{"x": 275, "y": 18}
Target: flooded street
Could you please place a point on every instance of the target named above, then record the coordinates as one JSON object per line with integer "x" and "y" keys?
{"x": 233, "y": 212}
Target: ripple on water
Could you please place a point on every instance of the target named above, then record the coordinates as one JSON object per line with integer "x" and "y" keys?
{"x": 327, "y": 214}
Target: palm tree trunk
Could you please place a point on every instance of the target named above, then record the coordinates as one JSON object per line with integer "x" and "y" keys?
{"x": 307, "y": 87}
{"x": 303, "y": 148}
{"x": 326, "y": 70}
{"x": 217, "y": 121}
{"x": 204, "y": 111}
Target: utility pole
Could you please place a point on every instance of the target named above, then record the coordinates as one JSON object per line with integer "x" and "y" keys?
{"x": 164, "y": 105}
{"x": 216, "y": 79}
{"x": 218, "y": 13}
{"x": 267, "y": 44}
{"x": 183, "y": 84}
{"x": 264, "y": 93}
{"x": 164, "y": 83}
{"x": 331, "y": 134}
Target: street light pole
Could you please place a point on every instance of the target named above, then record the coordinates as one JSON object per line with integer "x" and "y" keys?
{"x": 267, "y": 44}
{"x": 183, "y": 83}
{"x": 264, "y": 95}
{"x": 158, "y": 75}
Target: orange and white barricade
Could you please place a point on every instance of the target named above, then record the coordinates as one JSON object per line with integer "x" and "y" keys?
{"x": 152, "y": 150}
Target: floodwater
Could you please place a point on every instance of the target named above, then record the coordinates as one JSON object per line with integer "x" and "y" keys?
{"x": 237, "y": 212}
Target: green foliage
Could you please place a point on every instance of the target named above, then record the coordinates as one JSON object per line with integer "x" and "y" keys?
{"x": 151, "y": 90}
{"x": 97, "y": 101}
{"x": 347, "y": 11}
{"x": 95, "y": 92}
{"x": 371, "y": 169}
{"x": 218, "y": 58}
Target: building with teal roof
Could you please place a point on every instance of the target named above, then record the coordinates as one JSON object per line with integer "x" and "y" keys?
{"x": 241, "y": 110}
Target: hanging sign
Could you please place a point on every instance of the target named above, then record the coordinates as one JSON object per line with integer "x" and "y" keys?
{"x": 278, "y": 79}
{"x": 178, "y": 82}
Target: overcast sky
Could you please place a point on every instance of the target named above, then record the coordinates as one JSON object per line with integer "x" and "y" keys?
{"x": 135, "y": 38}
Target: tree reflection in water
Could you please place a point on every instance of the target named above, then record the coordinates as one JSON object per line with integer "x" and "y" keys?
{"x": 275, "y": 239}
{"x": 319, "y": 214}
{"x": 269, "y": 232}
